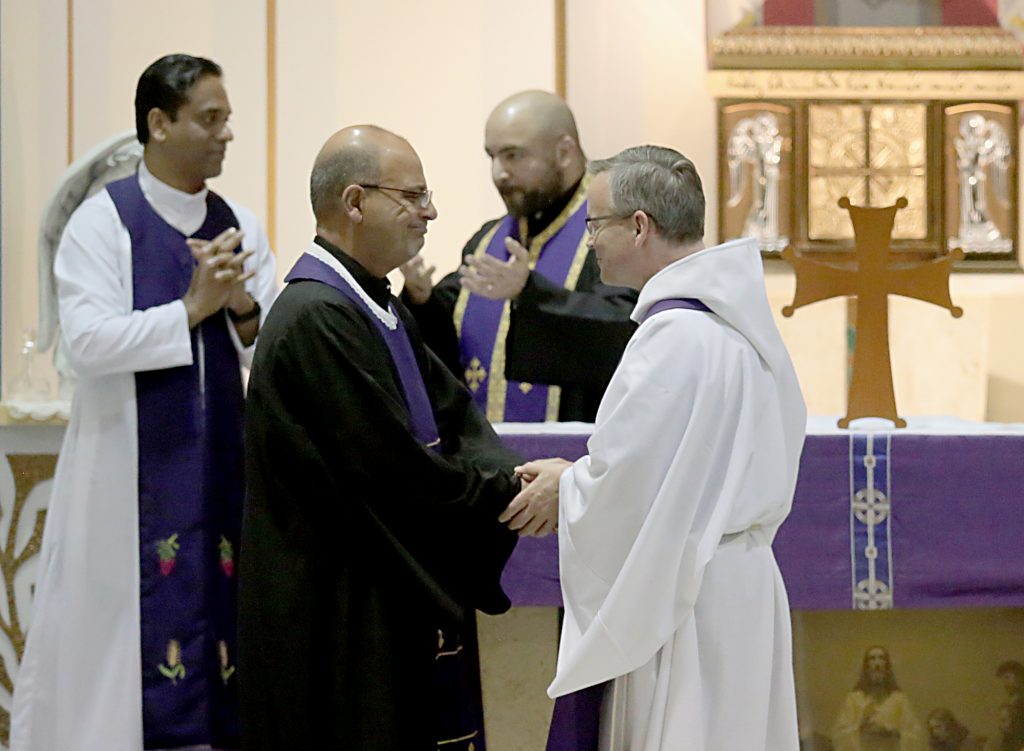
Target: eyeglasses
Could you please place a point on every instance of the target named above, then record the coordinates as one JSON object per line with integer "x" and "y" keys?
{"x": 592, "y": 224}
{"x": 419, "y": 198}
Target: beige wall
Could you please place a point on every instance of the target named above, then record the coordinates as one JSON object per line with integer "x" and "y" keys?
{"x": 636, "y": 72}
{"x": 432, "y": 77}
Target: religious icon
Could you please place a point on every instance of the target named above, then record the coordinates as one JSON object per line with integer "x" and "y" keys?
{"x": 906, "y": 679}
{"x": 982, "y": 150}
{"x": 755, "y": 146}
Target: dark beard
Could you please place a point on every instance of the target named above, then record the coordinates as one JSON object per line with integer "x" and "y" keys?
{"x": 527, "y": 204}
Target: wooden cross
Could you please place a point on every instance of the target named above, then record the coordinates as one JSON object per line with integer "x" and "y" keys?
{"x": 870, "y": 279}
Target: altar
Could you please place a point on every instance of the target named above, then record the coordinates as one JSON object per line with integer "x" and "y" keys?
{"x": 913, "y": 539}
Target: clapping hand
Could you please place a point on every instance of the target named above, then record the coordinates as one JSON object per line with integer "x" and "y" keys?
{"x": 488, "y": 277}
{"x": 419, "y": 279}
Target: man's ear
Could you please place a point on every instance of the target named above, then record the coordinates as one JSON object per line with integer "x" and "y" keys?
{"x": 157, "y": 121}
{"x": 564, "y": 150}
{"x": 352, "y": 202}
{"x": 642, "y": 227}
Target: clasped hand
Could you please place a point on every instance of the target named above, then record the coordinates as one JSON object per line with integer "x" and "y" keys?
{"x": 219, "y": 277}
{"x": 488, "y": 277}
{"x": 534, "y": 511}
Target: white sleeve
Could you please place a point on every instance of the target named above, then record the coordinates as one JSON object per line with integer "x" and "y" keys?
{"x": 94, "y": 289}
{"x": 263, "y": 286}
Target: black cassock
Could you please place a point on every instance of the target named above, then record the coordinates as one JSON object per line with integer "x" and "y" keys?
{"x": 360, "y": 546}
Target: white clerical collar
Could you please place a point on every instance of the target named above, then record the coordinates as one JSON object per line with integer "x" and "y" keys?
{"x": 186, "y": 212}
{"x": 387, "y": 317}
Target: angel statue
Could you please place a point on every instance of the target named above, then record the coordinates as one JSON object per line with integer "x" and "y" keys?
{"x": 113, "y": 159}
{"x": 982, "y": 148}
{"x": 755, "y": 141}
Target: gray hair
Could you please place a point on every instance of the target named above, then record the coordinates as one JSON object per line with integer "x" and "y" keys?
{"x": 332, "y": 173}
{"x": 663, "y": 184}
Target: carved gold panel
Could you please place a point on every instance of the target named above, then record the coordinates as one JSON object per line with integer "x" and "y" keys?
{"x": 756, "y": 186}
{"x": 979, "y": 146}
{"x": 877, "y": 114}
{"x": 873, "y": 153}
{"x": 24, "y": 495}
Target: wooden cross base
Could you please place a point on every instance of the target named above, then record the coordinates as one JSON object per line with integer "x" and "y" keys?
{"x": 873, "y": 275}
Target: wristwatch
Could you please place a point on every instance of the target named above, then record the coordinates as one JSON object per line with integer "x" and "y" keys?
{"x": 248, "y": 315}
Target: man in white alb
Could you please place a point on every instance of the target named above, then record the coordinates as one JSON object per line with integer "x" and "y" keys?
{"x": 671, "y": 590}
{"x": 162, "y": 285}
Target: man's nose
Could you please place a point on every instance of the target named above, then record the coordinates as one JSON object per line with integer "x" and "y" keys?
{"x": 498, "y": 172}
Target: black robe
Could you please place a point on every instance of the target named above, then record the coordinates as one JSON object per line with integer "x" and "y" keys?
{"x": 358, "y": 543}
{"x": 568, "y": 338}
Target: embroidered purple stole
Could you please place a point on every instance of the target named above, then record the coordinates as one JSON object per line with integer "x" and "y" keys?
{"x": 190, "y": 475}
{"x": 482, "y": 331}
{"x": 421, "y": 413}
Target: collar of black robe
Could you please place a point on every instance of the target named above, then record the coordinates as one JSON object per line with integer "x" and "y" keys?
{"x": 379, "y": 290}
{"x": 539, "y": 221}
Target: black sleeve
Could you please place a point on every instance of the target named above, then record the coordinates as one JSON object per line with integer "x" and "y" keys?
{"x": 569, "y": 337}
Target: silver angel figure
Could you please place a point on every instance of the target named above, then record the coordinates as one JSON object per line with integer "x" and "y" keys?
{"x": 111, "y": 160}
{"x": 755, "y": 141}
{"x": 982, "y": 149}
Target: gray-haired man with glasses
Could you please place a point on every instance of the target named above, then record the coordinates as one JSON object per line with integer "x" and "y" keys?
{"x": 672, "y": 595}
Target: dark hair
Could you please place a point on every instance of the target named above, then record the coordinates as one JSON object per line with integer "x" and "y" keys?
{"x": 889, "y": 681}
{"x": 165, "y": 85}
{"x": 334, "y": 172}
{"x": 957, "y": 731}
{"x": 1010, "y": 666}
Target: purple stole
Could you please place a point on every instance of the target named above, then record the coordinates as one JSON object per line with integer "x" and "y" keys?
{"x": 190, "y": 475}
{"x": 681, "y": 303}
{"x": 421, "y": 413}
{"x": 484, "y": 322}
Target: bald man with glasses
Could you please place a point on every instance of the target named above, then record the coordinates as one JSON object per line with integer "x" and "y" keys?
{"x": 370, "y": 531}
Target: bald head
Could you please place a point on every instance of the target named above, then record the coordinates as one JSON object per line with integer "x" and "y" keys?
{"x": 370, "y": 197}
{"x": 352, "y": 155}
{"x": 535, "y": 152}
{"x": 540, "y": 112}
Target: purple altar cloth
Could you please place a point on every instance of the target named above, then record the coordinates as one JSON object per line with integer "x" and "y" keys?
{"x": 955, "y": 537}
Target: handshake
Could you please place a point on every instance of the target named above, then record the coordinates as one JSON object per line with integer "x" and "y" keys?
{"x": 534, "y": 511}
